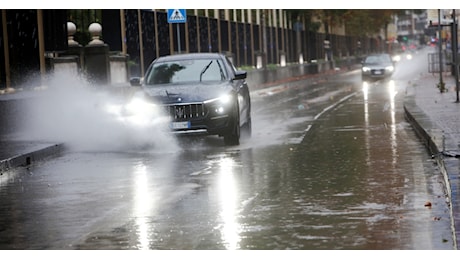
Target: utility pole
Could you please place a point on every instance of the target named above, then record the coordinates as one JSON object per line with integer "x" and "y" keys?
{"x": 441, "y": 83}
{"x": 455, "y": 50}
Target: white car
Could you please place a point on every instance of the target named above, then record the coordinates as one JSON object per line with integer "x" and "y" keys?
{"x": 377, "y": 66}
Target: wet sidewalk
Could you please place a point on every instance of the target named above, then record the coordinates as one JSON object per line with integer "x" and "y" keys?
{"x": 435, "y": 117}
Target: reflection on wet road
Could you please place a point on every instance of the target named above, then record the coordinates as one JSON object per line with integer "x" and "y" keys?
{"x": 333, "y": 166}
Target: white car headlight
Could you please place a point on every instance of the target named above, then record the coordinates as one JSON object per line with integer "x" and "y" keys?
{"x": 389, "y": 68}
{"x": 365, "y": 69}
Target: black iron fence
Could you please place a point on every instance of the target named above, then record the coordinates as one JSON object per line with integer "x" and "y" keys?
{"x": 242, "y": 41}
{"x": 146, "y": 35}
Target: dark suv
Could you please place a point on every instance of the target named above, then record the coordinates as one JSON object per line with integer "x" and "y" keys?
{"x": 203, "y": 93}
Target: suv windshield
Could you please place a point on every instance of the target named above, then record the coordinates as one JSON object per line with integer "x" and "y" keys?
{"x": 186, "y": 71}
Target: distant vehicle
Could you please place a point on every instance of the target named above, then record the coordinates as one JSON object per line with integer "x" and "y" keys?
{"x": 203, "y": 93}
{"x": 397, "y": 57}
{"x": 377, "y": 66}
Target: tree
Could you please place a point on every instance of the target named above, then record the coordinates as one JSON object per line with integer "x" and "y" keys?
{"x": 305, "y": 16}
{"x": 358, "y": 22}
{"x": 330, "y": 18}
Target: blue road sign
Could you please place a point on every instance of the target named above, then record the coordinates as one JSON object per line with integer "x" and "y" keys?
{"x": 177, "y": 16}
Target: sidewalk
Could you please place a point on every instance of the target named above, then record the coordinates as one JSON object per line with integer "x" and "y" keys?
{"x": 435, "y": 117}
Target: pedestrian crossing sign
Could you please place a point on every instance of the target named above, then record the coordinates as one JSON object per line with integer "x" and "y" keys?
{"x": 177, "y": 16}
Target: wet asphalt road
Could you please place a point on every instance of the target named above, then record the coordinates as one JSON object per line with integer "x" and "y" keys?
{"x": 332, "y": 164}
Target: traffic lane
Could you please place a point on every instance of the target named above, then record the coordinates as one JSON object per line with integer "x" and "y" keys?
{"x": 124, "y": 201}
{"x": 271, "y": 198}
{"x": 215, "y": 197}
{"x": 283, "y": 114}
{"x": 89, "y": 193}
{"x": 55, "y": 204}
{"x": 396, "y": 172}
{"x": 360, "y": 179}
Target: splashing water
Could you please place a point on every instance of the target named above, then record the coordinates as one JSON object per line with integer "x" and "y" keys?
{"x": 86, "y": 117}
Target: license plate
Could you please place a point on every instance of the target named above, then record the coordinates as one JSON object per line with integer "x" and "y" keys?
{"x": 180, "y": 125}
{"x": 377, "y": 72}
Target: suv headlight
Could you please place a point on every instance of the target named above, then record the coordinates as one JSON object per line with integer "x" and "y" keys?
{"x": 221, "y": 104}
{"x": 138, "y": 106}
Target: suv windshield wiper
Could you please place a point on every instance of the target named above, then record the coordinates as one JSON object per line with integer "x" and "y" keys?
{"x": 204, "y": 70}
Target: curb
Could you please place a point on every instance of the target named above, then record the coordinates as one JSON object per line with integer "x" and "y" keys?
{"x": 27, "y": 159}
{"x": 433, "y": 138}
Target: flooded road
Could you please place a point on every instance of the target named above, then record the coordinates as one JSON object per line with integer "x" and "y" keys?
{"x": 332, "y": 164}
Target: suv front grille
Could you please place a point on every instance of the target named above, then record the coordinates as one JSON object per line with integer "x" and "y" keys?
{"x": 186, "y": 111}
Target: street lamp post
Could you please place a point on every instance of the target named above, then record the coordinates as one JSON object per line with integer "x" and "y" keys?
{"x": 441, "y": 83}
{"x": 455, "y": 51}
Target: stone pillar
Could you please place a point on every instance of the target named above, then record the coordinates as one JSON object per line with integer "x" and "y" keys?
{"x": 67, "y": 66}
{"x": 97, "y": 64}
{"x": 282, "y": 58}
{"x": 74, "y": 48}
{"x": 119, "y": 70}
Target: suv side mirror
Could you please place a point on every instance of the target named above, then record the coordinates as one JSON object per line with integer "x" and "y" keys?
{"x": 135, "y": 82}
{"x": 240, "y": 74}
